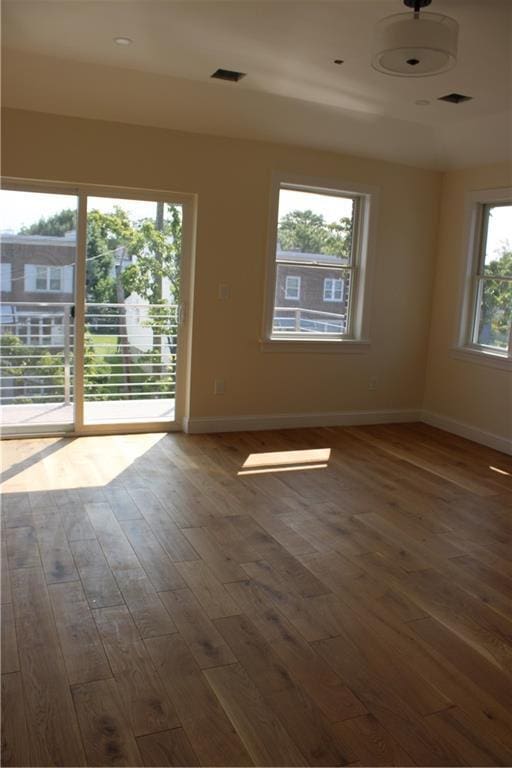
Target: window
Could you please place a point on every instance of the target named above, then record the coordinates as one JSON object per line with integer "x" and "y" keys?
{"x": 323, "y": 234}
{"x": 292, "y": 288}
{"x": 5, "y": 277}
{"x": 333, "y": 289}
{"x": 48, "y": 278}
{"x": 487, "y": 307}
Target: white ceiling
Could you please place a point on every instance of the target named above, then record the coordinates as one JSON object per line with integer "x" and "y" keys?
{"x": 59, "y": 57}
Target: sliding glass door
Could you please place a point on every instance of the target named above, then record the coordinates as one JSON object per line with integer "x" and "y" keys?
{"x": 91, "y": 313}
{"x": 132, "y": 310}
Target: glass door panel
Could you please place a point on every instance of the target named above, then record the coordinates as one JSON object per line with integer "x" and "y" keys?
{"x": 37, "y": 328}
{"x": 132, "y": 310}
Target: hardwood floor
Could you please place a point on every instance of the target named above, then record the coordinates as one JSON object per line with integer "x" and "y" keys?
{"x": 306, "y": 597}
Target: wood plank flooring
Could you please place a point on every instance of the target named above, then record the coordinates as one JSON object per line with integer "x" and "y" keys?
{"x": 319, "y": 597}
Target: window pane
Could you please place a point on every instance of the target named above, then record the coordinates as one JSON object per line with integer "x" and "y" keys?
{"x": 55, "y": 281}
{"x": 495, "y": 312}
{"x": 333, "y": 289}
{"x": 39, "y": 242}
{"x": 314, "y": 227}
{"x": 310, "y": 314}
{"x": 292, "y": 288}
{"x": 498, "y": 244}
{"x": 132, "y": 295}
{"x": 41, "y": 278}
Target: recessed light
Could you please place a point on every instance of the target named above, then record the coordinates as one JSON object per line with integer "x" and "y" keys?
{"x": 338, "y": 61}
{"x": 422, "y": 102}
{"x": 123, "y": 41}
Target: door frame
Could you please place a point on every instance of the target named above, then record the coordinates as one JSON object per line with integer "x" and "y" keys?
{"x": 188, "y": 202}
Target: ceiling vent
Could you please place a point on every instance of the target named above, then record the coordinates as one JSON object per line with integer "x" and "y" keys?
{"x": 228, "y": 74}
{"x": 455, "y": 98}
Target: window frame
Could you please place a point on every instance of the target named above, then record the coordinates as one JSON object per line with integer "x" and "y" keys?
{"x": 333, "y": 298}
{"x": 473, "y": 276}
{"x": 356, "y": 337}
{"x": 299, "y": 285}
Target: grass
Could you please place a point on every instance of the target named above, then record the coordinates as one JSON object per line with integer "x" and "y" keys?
{"x": 104, "y": 345}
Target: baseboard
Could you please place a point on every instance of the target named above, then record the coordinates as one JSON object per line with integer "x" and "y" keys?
{"x": 204, "y": 424}
{"x": 503, "y": 444}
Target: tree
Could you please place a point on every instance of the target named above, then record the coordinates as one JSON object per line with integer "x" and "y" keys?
{"x": 56, "y": 225}
{"x": 157, "y": 248}
{"x": 100, "y": 281}
{"x": 496, "y": 309}
{"x": 308, "y": 232}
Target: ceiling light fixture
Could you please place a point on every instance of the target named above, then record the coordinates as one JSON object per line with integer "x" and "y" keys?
{"x": 415, "y": 45}
{"x": 123, "y": 40}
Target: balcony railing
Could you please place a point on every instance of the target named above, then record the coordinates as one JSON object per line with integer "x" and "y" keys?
{"x": 290, "y": 320}
{"x": 129, "y": 352}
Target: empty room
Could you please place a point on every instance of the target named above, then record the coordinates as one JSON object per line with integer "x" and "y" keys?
{"x": 256, "y": 383}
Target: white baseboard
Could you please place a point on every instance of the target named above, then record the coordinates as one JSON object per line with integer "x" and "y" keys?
{"x": 503, "y": 444}
{"x": 204, "y": 424}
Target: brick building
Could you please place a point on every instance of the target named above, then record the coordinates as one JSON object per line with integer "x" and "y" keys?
{"x": 309, "y": 296}
{"x": 37, "y": 275}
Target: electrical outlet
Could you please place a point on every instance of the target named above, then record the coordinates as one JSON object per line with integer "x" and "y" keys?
{"x": 223, "y": 292}
{"x": 372, "y": 383}
{"x": 218, "y": 387}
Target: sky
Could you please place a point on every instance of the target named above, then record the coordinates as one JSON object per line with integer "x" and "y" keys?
{"x": 333, "y": 208}
{"x": 330, "y": 207}
{"x": 499, "y": 230}
{"x": 19, "y": 209}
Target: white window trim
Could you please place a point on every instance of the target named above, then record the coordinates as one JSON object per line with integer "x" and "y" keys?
{"x": 364, "y": 256}
{"x": 299, "y": 281}
{"x": 332, "y": 292}
{"x": 464, "y": 348}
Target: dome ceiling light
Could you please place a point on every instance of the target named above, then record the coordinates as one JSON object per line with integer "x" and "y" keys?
{"x": 415, "y": 45}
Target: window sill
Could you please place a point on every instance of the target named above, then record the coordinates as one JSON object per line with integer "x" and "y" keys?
{"x": 481, "y": 357}
{"x": 330, "y": 346}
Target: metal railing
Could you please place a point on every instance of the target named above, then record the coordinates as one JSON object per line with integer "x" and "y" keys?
{"x": 289, "y": 320}
{"x": 129, "y": 352}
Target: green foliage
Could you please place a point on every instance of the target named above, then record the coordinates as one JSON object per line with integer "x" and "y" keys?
{"x": 56, "y": 225}
{"x": 308, "y": 232}
{"x": 158, "y": 252}
{"x": 496, "y": 307}
{"x": 98, "y": 372}
{"x": 99, "y": 281}
{"x": 156, "y": 246}
{"x": 27, "y": 365}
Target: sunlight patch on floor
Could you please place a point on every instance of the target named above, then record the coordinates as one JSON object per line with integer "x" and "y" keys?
{"x": 65, "y": 463}
{"x": 286, "y": 461}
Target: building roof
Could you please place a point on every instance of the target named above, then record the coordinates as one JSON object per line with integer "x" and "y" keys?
{"x": 307, "y": 258}
{"x": 68, "y": 240}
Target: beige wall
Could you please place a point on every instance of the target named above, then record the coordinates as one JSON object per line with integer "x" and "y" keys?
{"x": 465, "y": 391}
{"x": 232, "y": 180}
